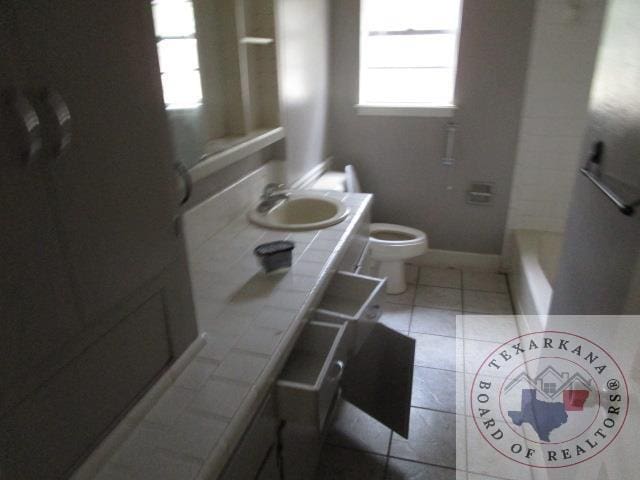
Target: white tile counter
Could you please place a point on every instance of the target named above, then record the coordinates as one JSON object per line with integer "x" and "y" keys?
{"x": 196, "y": 416}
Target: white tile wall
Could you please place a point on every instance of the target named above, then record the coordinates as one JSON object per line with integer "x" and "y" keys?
{"x": 203, "y": 221}
{"x": 561, "y": 61}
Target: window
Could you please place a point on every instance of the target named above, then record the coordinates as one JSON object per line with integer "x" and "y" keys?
{"x": 178, "y": 53}
{"x": 408, "y": 53}
{"x": 549, "y": 388}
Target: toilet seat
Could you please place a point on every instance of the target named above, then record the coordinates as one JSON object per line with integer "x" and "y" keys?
{"x": 388, "y": 241}
{"x": 389, "y": 244}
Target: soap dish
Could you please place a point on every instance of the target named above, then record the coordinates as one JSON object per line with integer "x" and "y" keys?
{"x": 276, "y": 256}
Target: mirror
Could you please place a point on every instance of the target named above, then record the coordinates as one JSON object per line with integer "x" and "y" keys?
{"x": 219, "y": 79}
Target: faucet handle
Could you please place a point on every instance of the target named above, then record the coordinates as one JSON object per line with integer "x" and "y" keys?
{"x": 271, "y": 188}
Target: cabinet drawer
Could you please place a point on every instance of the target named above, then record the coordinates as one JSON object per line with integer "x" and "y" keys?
{"x": 353, "y": 299}
{"x": 356, "y": 247}
{"x": 310, "y": 378}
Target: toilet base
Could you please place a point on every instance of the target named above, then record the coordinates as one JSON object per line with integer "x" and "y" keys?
{"x": 394, "y": 271}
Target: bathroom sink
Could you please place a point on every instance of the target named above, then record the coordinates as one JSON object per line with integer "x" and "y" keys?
{"x": 301, "y": 211}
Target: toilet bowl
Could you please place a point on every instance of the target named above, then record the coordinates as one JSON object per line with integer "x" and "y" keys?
{"x": 390, "y": 245}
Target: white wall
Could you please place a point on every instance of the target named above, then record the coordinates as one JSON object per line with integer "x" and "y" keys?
{"x": 398, "y": 159}
{"x": 561, "y": 61}
{"x": 303, "y": 74}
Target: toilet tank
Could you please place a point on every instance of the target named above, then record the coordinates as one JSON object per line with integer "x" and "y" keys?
{"x": 331, "y": 180}
{"x": 346, "y": 181}
{"x": 353, "y": 185}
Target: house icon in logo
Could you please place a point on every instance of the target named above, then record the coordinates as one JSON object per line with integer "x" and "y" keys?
{"x": 538, "y": 404}
{"x": 550, "y": 384}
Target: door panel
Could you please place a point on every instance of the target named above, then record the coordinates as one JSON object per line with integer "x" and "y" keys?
{"x": 112, "y": 188}
{"x": 88, "y": 236}
{"x": 379, "y": 378}
{"x": 37, "y": 313}
{"x": 51, "y": 430}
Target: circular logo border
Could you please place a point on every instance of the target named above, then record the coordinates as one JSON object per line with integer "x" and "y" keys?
{"x": 541, "y": 332}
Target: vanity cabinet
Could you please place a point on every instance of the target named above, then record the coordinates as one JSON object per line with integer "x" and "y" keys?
{"x": 309, "y": 381}
{"x": 256, "y": 455}
{"x": 343, "y": 351}
{"x": 95, "y": 294}
{"x": 355, "y": 301}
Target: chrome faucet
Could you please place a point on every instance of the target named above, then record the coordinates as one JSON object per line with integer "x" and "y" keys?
{"x": 272, "y": 194}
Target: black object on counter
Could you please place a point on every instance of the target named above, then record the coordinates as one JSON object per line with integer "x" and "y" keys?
{"x": 275, "y": 256}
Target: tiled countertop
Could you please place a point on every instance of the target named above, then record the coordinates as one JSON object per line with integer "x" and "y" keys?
{"x": 250, "y": 323}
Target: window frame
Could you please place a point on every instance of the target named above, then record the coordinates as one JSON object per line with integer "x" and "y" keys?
{"x": 405, "y": 109}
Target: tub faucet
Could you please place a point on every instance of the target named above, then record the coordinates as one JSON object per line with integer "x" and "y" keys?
{"x": 272, "y": 194}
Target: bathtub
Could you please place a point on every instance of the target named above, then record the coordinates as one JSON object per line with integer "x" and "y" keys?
{"x": 533, "y": 269}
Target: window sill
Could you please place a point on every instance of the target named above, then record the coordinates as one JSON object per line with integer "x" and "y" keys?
{"x": 219, "y": 159}
{"x": 390, "y": 110}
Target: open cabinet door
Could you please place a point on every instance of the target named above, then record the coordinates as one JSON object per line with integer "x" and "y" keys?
{"x": 379, "y": 378}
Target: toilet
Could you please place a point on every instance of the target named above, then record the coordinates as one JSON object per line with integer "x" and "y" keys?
{"x": 389, "y": 244}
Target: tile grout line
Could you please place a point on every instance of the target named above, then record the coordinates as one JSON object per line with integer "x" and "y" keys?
{"x": 464, "y": 406}
{"x": 430, "y": 464}
{"x": 386, "y": 463}
{"x": 513, "y": 307}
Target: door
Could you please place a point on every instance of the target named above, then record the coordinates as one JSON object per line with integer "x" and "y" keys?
{"x": 379, "y": 378}
{"x": 111, "y": 187}
{"x": 602, "y": 246}
{"x": 94, "y": 291}
{"x": 37, "y": 313}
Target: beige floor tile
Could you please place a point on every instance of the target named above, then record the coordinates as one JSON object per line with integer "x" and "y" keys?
{"x": 486, "y": 302}
{"x": 355, "y": 429}
{"x": 344, "y": 464}
{"x": 490, "y": 328}
{"x": 435, "y": 321}
{"x": 405, "y": 298}
{"x": 485, "y": 281}
{"x": 438, "y": 297}
{"x": 440, "y": 277}
{"x": 435, "y": 351}
{"x": 396, "y": 316}
{"x": 405, "y": 469}
{"x": 432, "y": 439}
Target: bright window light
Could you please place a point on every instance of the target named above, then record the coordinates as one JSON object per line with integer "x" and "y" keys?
{"x": 178, "y": 53}
{"x": 408, "y": 52}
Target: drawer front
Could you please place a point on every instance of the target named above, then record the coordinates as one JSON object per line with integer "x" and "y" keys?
{"x": 364, "y": 263}
{"x": 357, "y": 246}
{"x": 350, "y": 329}
{"x": 355, "y": 299}
{"x": 312, "y": 374}
{"x": 48, "y": 432}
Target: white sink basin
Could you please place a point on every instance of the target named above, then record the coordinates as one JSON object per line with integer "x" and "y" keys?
{"x": 301, "y": 211}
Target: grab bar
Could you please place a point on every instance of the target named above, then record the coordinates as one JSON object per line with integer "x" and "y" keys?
{"x": 450, "y": 128}
{"x": 592, "y": 172}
